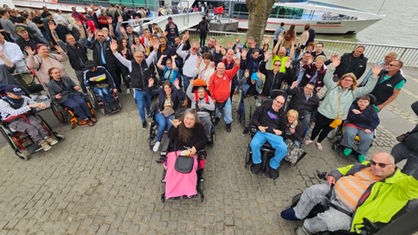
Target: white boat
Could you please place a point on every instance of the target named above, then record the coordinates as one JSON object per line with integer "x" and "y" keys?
{"x": 324, "y": 18}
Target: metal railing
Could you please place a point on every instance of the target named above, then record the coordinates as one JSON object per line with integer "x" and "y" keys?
{"x": 374, "y": 52}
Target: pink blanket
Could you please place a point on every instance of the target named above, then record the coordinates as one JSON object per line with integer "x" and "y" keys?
{"x": 179, "y": 184}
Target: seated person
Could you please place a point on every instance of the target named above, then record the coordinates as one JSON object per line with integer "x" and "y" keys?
{"x": 202, "y": 103}
{"x": 375, "y": 190}
{"x": 16, "y": 103}
{"x": 294, "y": 129}
{"x": 187, "y": 133}
{"x": 270, "y": 121}
{"x": 169, "y": 100}
{"x": 63, "y": 91}
{"x": 250, "y": 92}
{"x": 305, "y": 101}
{"x": 11, "y": 55}
{"x": 170, "y": 71}
{"x": 100, "y": 80}
{"x": 362, "y": 120}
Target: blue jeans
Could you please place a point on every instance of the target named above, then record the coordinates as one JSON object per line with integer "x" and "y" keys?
{"x": 275, "y": 141}
{"x": 227, "y": 110}
{"x": 104, "y": 94}
{"x": 186, "y": 81}
{"x": 143, "y": 101}
{"x": 365, "y": 139}
{"x": 163, "y": 123}
{"x": 77, "y": 103}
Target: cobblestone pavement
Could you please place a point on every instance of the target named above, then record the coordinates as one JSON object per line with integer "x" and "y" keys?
{"x": 104, "y": 180}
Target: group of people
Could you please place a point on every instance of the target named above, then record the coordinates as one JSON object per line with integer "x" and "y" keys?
{"x": 204, "y": 77}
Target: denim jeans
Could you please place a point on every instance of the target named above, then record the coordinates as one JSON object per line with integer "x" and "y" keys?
{"x": 365, "y": 139}
{"x": 77, "y": 103}
{"x": 163, "y": 123}
{"x": 275, "y": 141}
{"x": 227, "y": 110}
{"x": 329, "y": 220}
{"x": 143, "y": 101}
{"x": 104, "y": 94}
{"x": 186, "y": 81}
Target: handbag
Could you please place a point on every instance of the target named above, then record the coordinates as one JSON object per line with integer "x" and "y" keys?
{"x": 167, "y": 112}
{"x": 184, "y": 164}
{"x": 334, "y": 124}
{"x": 294, "y": 153}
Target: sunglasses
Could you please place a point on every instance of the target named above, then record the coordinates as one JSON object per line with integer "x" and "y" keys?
{"x": 195, "y": 49}
{"x": 380, "y": 164}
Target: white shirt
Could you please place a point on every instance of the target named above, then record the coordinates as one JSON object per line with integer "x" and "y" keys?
{"x": 11, "y": 51}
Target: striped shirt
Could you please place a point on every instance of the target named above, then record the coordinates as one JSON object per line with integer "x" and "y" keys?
{"x": 349, "y": 189}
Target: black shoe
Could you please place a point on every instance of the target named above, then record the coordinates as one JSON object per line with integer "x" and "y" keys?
{"x": 228, "y": 127}
{"x": 256, "y": 168}
{"x": 160, "y": 160}
{"x": 272, "y": 173}
{"x": 216, "y": 121}
{"x": 144, "y": 125}
{"x": 246, "y": 130}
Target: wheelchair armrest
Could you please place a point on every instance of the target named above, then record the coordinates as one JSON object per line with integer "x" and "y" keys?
{"x": 370, "y": 227}
{"x": 201, "y": 154}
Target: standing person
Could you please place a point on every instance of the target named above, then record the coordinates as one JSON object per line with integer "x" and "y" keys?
{"x": 172, "y": 31}
{"x": 334, "y": 109}
{"x": 277, "y": 33}
{"x": 103, "y": 56}
{"x": 250, "y": 92}
{"x": 140, "y": 76}
{"x": 25, "y": 39}
{"x": 7, "y": 24}
{"x": 191, "y": 60}
{"x": 77, "y": 54}
{"x": 220, "y": 88}
{"x": 389, "y": 85}
{"x": 389, "y": 57}
{"x": 354, "y": 62}
{"x": 203, "y": 29}
{"x": 408, "y": 149}
{"x": 319, "y": 50}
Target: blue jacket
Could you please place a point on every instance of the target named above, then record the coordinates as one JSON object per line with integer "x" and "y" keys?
{"x": 368, "y": 119}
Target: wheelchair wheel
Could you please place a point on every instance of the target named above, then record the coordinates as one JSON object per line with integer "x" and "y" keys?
{"x": 59, "y": 112}
{"x": 92, "y": 98}
{"x": 247, "y": 157}
{"x": 22, "y": 154}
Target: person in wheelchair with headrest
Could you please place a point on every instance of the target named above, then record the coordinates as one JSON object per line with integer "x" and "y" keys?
{"x": 65, "y": 92}
{"x": 15, "y": 111}
{"x": 362, "y": 120}
{"x": 102, "y": 84}
{"x": 202, "y": 103}
{"x": 270, "y": 121}
{"x": 374, "y": 191}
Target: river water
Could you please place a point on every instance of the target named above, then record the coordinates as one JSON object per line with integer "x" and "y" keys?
{"x": 399, "y": 27}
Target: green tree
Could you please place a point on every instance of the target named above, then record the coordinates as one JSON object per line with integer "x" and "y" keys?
{"x": 258, "y": 13}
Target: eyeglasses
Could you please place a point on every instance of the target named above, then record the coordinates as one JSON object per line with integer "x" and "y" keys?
{"x": 393, "y": 65}
{"x": 380, "y": 164}
{"x": 100, "y": 35}
{"x": 195, "y": 49}
{"x": 276, "y": 64}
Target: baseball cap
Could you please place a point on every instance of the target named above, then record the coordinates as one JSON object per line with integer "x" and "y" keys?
{"x": 14, "y": 89}
{"x": 20, "y": 29}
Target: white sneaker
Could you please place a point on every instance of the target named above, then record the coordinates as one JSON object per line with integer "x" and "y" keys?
{"x": 318, "y": 146}
{"x": 45, "y": 146}
{"x": 308, "y": 142}
{"x": 128, "y": 91}
{"x": 51, "y": 141}
{"x": 156, "y": 146}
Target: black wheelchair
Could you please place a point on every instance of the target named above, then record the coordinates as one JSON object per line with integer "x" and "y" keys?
{"x": 99, "y": 104}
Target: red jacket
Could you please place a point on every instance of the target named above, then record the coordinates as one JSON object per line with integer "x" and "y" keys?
{"x": 220, "y": 88}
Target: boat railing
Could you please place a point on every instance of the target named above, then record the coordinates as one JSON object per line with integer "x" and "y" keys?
{"x": 374, "y": 52}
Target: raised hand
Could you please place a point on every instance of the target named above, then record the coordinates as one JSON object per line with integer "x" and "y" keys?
{"x": 336, "y": 61}
{"x": 294, "y": 84}
{"x": 244, "y": 53}
{"x": 376, "y": 70}
{"x": 175, "y": 123}
{"x": 59, "y": 49}
{"x": 29, "y": 50}
{"x": 218, "y": 47}
{"x": 176, "y": 83}
{"x": 150, "y": 82}
{"x": 51, "y": 25}
{"x": 237, "y": 61}
{"x": 113, "y": 45}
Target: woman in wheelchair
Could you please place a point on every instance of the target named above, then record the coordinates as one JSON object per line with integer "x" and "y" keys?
{"x": 63, "y": 91}
{"x": 100, "y": 80}
{"x": 270, "y": 121}
{"x": 294, "y": 129}
{"x": 362, "y": 120}
{"x": 15, "y": 111}
{"x": 203, "y": 104}
{"x": 169, "y": 99}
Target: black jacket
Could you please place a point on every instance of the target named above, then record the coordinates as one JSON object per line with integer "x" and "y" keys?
{"x": 351, "y": 64}
{"x": 383, "y": 90}
{"x": 266, "y": 116}
{"x": 65, "y": 87}
{"x": 77, "y": 55}
{"x": 299, "y": 102}
{"x": 274, "y": 81}
{"x": 111, "y": 61}
{"x": 367, "y": 119}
